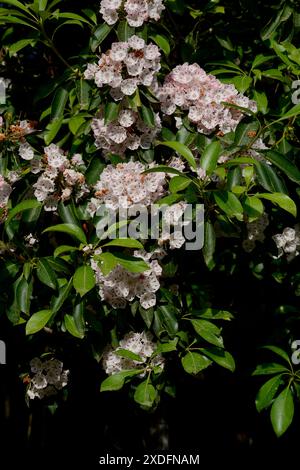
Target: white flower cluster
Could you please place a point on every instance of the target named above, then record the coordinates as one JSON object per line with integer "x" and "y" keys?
{"x": 128, "y": 132}
{"x": 138, "y": 343}
{"x": 121, "y": 286}
{"x": 255, "y": 232}
{"x": 135, "y": 11}
{"x": 5, "y": 191}
{"x": 190, "y": 88}
{"x": 60, "y": 177}
{"x": 125, "y": 185}
{"x": 48, "y": 378}
{"x": 288, "y": 242}
{"x": 171, "y": 217}
{"x": 126, "y": 66}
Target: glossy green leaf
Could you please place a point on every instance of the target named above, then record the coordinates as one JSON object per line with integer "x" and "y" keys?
{"x": 117, "y": 381}
{"x": 69, "y": 229}
{"x": 282, "y": 200}
{"x": 193, "y": 363}
{"x": 37, "y": 321}
{"x": 267, "y": 392}
{"x": 126, "y": 243}
{"x": 84, "y": 280}
{"x": 208, "y": 331}
{"x": 145, "y": 394}
{"x": 71, "y": 327}
{"x": 210, "y": 156}
{"x": 282, "y": 412}
{"x": 183, "y": 150}
{"x": 46, "y": 274}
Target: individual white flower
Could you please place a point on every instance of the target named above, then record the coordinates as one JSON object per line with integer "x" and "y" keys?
{"x": 255, "y": 232}
{"x": 48, "y": 378}
{"x": 26, "y": 151}
{"x": 288, "y": 243}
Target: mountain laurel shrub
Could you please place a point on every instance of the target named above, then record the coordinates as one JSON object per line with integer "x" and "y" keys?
{"x": 129, "y": 103}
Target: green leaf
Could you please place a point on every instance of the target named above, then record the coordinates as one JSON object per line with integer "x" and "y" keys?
{"x": 241, "y": 83}
{"x": 71, "y": 327}
{"x": 162, "y": 42}
{"x": 210, "y": 156}
{"x": 253, "y": 207}
{"x": 245, "y": 133}
{"x": 220, "y": 357}
{"x": 52, "y": 130}
{"x": 164, "y": 169}
{"x": 21, "y": 207}
{"x": 268, "y": 178}
{"x": 84, "y": 280}
{"x": 19, "y": 45}
{"x": 75, "y": 122}
{"x": 269, "y": 369}
{"x": 69, "y": 229}
{"x": 116, "y": 381}
{"x": 209, "y": 245}
{"x": 46, "y": 274}
{"x": 111, "y": 112}
{"x": 208, "y": 331}
{"x": 23, "y": 295}
{"x": 282, "y": 412}
{"x": 179, "y": 183}
{"x": 59, "y": 102}
{"x": 131, "y": 263}
{"x": 282, "y": 200}
{"x": 148, "y": 116}
{"x": 229, "y": 203}
{"x": 183, "y": 150}
{"x": 267, "y": 392}
{"x": 64, "y": 249}
{"x": 124, "y": 31}
{"x": 107, "y": 263}
{"x": 145, "y": 394}
{"x": 94, "y": 170}
{"x": 168, "y": 316}
{"x": 283, "y": 163}
{"x": 193, "y": 362}
{"x": 99, "y": 35}
{"x": 125, "y": 242}
{"x": 128, "y": 354}
{"x": 63, "y": 294}
{"x": 37, "y": 321}
{"x": 73, "y": 16}
{"x": 262, "y": 101}
{"x": 213, "y": 313}
{"x": 280, "y": 352}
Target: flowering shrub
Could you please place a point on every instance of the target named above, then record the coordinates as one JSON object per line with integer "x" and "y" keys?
{"x": 132, "y": 118}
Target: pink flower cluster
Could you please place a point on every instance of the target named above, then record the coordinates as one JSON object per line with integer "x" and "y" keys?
{"x": 121, "y": 286}
{"x": 135, "y": 11}
{"x": 191, "y": 89}
{"x": 60, "y": 177}
{"x": 124, "y": 185}
{"x": 126, "y": 66}
{"x": 128, "y": 132}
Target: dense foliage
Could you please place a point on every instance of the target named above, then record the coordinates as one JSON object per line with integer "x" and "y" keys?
{"x": 165, "y": 102}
